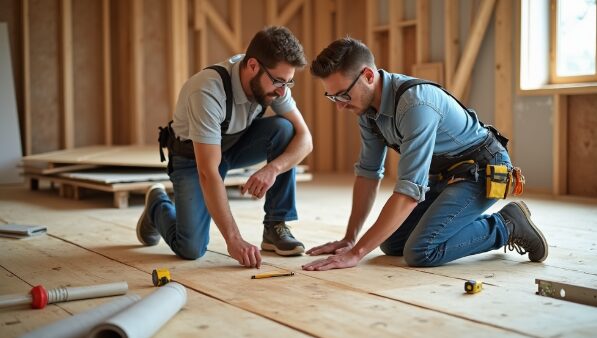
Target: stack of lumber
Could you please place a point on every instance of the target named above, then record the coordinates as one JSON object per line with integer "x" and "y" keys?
{"x": 120, "y": 170}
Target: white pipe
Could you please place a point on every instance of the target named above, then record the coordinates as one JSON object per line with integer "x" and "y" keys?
{"x": 80, "y": 324}
{"x": 12, "y": 300}
{"x": 83, "y": 292}
{"x": 146, "y": 317}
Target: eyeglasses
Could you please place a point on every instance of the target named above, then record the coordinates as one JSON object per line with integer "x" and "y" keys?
{"x": 276, "y": 82}
{"x": 344, "y": 97}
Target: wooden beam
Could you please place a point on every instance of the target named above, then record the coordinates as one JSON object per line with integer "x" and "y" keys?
{"x": 422, "y": 31}
{"x": 560, "y": 145}
{"x": 137, "y": 90}
{"x": 471, "y": 48}
{"x": 236, "y": 22}
{"x": 179, "y": 49}
{"x": 451, "y": 40}
{"x": 288, "y": 12}
{"x": 308, "y": 80}
{"x": 222, "y": 28}
{"x": 107, "y": 72}
{"x": 503, "y": 70}
{"x": 200, "y": 26}
{"x": 324, "y": 153}
{"x": 371, "y": 11}
{"x": 68, "y": 86}
{"x": 26, "y": 77}
{"x": 271, "y": 11}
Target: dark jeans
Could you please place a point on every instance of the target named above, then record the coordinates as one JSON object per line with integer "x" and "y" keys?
{"x": 450, "y": 224}
{"x": 185, "y": 227}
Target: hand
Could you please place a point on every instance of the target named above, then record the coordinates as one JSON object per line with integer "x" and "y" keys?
{"x": 260, "y": 182}
{"x": 245, "y": 253}
{"x": 344, "y": 260}
{"x": 335, "y": 247}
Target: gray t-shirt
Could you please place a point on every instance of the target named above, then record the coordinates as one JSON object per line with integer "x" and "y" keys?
{"x": 201, "y": 107}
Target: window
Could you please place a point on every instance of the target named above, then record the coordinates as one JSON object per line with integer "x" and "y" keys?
{"x": 573, "y": 41}
{"x": 557, "y": 46}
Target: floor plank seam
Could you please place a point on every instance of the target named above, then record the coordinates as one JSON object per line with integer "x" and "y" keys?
{"x": 461, "y": 317}
{"x": 187, "y": 285}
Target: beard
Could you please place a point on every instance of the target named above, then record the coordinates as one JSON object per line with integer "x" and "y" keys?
{"x": 259, "y": 95}
{"x": 363, "y": 105}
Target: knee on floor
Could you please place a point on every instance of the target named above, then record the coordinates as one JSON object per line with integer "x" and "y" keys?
{"x": 418, "y": 258}
{"x": 191, "y": 252}
{"x": 390, "y": 250}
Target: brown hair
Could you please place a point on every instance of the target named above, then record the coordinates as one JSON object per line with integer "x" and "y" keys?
{"x": 275, "y": 44}
{"x": 345, "y": 55}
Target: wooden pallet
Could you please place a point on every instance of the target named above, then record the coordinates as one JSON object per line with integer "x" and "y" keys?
{"x": 71, "y": 188}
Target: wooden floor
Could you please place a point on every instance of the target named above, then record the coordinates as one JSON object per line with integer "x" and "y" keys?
{"x": 89, "y": 242}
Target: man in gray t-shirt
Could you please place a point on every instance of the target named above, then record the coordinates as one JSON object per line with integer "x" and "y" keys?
{"x": 214, "y": 130}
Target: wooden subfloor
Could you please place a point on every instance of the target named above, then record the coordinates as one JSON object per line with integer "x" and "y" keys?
{"x": 90, "y": 242}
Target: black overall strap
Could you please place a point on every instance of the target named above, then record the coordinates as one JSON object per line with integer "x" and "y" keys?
{"x": 415, "y": 82}
{"x": 406, "y": 85}
{"x": 229, "y": 97}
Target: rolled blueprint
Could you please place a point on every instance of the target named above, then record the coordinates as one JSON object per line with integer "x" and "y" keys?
{"x": 81, "y": 324}
{"x": 147, "y": 316}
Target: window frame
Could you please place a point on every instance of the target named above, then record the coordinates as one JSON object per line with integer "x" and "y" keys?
{"x": 553, "y": 30}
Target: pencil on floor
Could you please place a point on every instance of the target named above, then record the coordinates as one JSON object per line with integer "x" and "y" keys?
{"x": 272, "y": 274}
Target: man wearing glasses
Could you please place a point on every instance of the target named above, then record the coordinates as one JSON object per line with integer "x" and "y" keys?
{"x": 217, "y": 126}
{"x": 435, "y": 214}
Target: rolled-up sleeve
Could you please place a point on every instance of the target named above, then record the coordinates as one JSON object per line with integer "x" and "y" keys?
{"x": 419, "y": 129}
{"x": 373, "y": 152}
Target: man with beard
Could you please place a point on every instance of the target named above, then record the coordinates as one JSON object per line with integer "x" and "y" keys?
{"x": 217, "y": 126}
{"x": 452, "y": 168}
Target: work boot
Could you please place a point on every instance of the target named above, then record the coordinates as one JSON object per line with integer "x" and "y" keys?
{"x": 147, "y": 233}
{"x": 523, "y": 234}
{"x": 279, "y": 239}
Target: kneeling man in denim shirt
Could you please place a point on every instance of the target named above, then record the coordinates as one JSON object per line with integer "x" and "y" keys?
{"x": 435, "y": 214}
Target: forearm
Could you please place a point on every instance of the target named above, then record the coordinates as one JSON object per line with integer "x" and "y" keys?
{"x": 299, "y": 147}
{"x": 363, "y": 196}
{"x": 216, "y": 199}
{"x": 393, "y": 214}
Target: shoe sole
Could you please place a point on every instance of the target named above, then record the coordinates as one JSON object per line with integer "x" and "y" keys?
{"x": 294, "y": 252}
{"x": 527, "y": 212}
{"x": 155, "y": 186}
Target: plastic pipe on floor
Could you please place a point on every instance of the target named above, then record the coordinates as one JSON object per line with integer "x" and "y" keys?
{"x": 81, "y": 324}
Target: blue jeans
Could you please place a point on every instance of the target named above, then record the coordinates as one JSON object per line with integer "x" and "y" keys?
{"x": 450, "y": 224}
{"x": 185, "y": 227}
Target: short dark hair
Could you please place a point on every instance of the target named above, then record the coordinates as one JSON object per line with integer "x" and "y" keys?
{"x": 345, "y": 55}
{"x": 275, "y": 44}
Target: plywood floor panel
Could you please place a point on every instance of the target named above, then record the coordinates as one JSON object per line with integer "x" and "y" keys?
{"x": 380, "y": 297}
{"x": 53, "y": 262}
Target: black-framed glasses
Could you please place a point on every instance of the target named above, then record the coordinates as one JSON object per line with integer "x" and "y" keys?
{"x": 277, "y": 82}
{"x": 344, "y": 97}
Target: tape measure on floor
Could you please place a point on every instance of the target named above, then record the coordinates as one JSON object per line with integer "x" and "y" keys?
{"x": 160, "y": 277}
{"x": 473, "y": 286}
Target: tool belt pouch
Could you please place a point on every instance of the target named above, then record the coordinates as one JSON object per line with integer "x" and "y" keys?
{"x": 498, "y": 181}
{"x": 167, "y": 139}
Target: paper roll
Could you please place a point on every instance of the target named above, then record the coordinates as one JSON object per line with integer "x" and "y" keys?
{"x": 146, "y": 317}
{"x": 81, "y": 324}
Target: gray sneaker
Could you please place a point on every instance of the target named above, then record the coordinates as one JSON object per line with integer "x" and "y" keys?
{"x": 524, "y": 236}
{"x": 279, "y": 239}
{"x": 147, "y": 233}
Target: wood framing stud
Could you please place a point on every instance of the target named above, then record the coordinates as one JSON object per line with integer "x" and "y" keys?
{"x": 471, "y": 48}
{"x": 67, "y": 75}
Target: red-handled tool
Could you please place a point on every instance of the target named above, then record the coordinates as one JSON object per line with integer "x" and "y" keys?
{"x": 39, "y": 297}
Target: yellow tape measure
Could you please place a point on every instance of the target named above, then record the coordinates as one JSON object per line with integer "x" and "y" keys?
{"x": 473, "y": 286}
{"x": 160, "y": 277}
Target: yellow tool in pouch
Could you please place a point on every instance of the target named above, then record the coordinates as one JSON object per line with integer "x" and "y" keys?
{"x": 498, "y": 180}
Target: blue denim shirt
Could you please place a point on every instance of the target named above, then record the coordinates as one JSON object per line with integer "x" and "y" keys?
{"x": 429, "y": 122}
